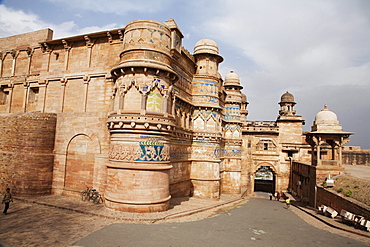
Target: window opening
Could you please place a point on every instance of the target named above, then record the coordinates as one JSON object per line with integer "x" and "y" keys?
{"x": 34, "y": 95}
{"x": 4, "y": 95}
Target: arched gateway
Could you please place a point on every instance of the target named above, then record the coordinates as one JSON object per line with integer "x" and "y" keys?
{"x": 265, "y": 179}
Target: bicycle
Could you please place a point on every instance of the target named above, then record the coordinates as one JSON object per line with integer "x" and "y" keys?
{"x": 91, "y": 194}
{"x": 96, "y": 197}
{"x": 85, "y": 195}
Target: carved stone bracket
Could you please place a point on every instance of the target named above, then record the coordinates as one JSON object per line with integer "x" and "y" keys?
{"x": 110, "y": 38}
{"x": 63, "y": 81}
{"x": 46, "y": 48}
{"x": 89, "y": 43}
{"x": 120, "y": 35}
{"x": 86, "y": 79}
{"x": 66, "y": 45}
{"x": 30, "y": 51}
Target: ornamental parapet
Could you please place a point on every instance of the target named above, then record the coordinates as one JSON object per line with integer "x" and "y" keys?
{"x": 261, "y": 126}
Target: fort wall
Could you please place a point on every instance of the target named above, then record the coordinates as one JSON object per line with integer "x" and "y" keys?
{"x": 338, "y": 202}
{"x": 26, "y": 153}
{"x": 356, "y": 156}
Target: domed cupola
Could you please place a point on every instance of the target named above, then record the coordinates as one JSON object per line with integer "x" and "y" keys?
{"x": 325, "y": 116}
{"x": 232, "y": 79}
{"x": 326, "y": 121}
{"x": 207, "y": 46}
{"x": 232, "y": 88}
{"x": 327, "y": 139}
{"x": 287, "y": 105}
{"x": 287, "y": 98}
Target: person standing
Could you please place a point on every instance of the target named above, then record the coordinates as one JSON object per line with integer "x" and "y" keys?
{"x": 277, "y": 196}
{"x": 6, "y": 200}
{"x": 287, "y": 201}
{"x": 270, "y": 196}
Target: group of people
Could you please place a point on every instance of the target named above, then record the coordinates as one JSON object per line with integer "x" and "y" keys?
{"x": 277, "y": 198}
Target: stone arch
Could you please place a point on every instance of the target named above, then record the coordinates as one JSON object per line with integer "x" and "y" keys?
{"x": 266, "y": 184}
{"x": 154, "y": 102}
{"x": 80, "y": 161}
{"x": 132, "y": 98}
{"x": 7, "y": 65}
{"x": 211, "y": 123}
{"x": 228, "y": 133}
{"x": 21, "y": 64}
{"x": 264, "y": 163}
{"x": 236, "y": 133}
{"x": 198, "y": 123}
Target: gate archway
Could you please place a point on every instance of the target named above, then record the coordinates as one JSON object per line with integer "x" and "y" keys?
{"x": 265, "y": 179}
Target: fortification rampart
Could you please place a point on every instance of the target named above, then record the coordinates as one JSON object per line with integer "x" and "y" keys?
{"x": 356, "y": 157}
{"x": 26, "y": 153}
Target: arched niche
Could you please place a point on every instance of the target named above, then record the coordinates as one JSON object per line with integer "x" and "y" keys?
{"x": 80, "y": 159}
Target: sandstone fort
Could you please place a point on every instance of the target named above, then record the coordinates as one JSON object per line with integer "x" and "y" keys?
{"x": 133, "y": 114}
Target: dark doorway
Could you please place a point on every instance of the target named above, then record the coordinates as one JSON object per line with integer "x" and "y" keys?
{"x": 264, "y": 180}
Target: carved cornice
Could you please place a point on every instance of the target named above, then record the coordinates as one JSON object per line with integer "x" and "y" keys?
{"x": 182, "y": 135}
{"x": 122, "y": 122}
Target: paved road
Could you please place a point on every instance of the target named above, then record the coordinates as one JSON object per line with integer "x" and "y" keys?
{"x": 259, "y": 222}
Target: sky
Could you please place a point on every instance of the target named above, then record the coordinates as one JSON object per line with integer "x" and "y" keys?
{"x": 318, "y": 50}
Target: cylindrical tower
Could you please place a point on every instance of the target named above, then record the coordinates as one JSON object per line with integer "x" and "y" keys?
{"x": 141, "y": 120}
{"x": 207, "y": 137}
{"x": 233, "y": 112}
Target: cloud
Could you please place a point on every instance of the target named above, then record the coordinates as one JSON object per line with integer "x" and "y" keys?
{"x": 13, "y": 22}
{"x": 297, "y": 41}
{"x": 317, "y": 50}
{"x": 118, "y": 7}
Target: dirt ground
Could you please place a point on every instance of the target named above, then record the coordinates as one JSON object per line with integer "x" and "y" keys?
{"x": 356, "y": 184}
{"x": 38, "y": 225}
